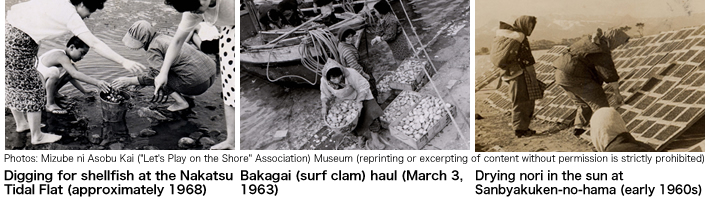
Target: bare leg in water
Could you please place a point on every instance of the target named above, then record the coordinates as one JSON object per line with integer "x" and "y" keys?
{"x": 31, "y": 121}
{"x": 230, "y": 142}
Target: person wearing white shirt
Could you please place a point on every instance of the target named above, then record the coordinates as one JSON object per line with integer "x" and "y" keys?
{"x": 27, "y": 25}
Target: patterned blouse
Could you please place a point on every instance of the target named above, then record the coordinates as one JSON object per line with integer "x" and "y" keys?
{"x": 388, "y": 27}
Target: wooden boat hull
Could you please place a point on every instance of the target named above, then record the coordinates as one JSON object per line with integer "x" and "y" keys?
{"x": 281, "y": 63}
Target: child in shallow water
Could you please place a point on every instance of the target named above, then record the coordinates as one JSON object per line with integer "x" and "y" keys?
{"x": 57, "y": 68}
{"x": 27, "y": 24}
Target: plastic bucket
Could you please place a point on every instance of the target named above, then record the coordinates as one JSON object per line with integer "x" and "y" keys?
{"x": 114, "y": 111}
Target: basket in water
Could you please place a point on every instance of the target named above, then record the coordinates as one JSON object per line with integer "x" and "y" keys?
{"x": 343, "y": 116}
{"x": 113, "y": 106}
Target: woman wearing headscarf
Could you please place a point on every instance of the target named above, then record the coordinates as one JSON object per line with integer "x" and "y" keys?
{"x": 584, "y": 68}
{"x": 512, "y": 53}
{"x": 343, "y": 83}
{"x": 609, "y": 133}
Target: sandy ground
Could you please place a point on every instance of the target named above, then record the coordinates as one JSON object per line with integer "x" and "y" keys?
{"x": 494, "y": 133}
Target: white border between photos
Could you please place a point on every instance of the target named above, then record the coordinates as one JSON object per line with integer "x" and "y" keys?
{"x": 635, "y": 174}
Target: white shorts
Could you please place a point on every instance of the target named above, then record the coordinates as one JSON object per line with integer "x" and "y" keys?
{"x": 50, "y": 71}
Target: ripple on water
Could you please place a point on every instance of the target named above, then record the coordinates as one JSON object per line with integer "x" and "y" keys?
{"x": 109, "y": 25}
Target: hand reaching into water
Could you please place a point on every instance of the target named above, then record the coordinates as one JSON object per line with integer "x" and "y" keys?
{"x": 160, "y": 81}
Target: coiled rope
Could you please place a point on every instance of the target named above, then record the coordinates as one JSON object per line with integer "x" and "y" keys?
{"x": 316, "y": 46}
{"x": 324, "y": 45}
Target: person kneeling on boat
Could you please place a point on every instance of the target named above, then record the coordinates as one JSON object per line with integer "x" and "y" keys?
{"x": 269, "y": 16}
{"x": 289, "y": 13}
{"x": 347, "y": 84}
{"x": 192, "y": 73}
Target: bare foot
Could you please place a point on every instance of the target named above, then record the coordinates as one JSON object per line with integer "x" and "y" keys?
{"x": 178, "y": 106}
{"x": 180, "y": 102}
{"x": 45, "y": 138}
{"x": 22, "y": 128}
{"x": 54, "y": 108}
{"x": 223, "y": 146}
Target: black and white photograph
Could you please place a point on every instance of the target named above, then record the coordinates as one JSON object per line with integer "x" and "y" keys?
{"x": 355, "y": 75}
{"x": 590, "y": 76}
{"x": 143, "y": 74}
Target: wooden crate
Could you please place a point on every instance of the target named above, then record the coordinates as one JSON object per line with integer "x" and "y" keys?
{"x": 416, "y": 66}
{"x": 393, "y": 107}
{"x": 383, "y": 87}
{"x": 430, "y": 133}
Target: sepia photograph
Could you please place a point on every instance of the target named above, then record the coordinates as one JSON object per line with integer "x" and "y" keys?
{"x": 590, "y": 76}
{"x": 143, "y": 74}
{"x": 355, "y": 75}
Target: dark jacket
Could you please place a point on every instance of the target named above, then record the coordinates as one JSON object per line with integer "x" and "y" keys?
{"x": 624, "y": 142}
{"x": 263, "y": 18}
{"x": 588, "y": 62}
{"x": 292, "y": 5}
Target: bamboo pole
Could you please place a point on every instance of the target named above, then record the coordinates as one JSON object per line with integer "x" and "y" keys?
{"x": 340, "y": 5}
{"x": 294, "y": 29}
{"x": 253, "y": 13}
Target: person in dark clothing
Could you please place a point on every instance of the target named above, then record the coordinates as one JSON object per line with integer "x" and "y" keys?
{"x": 609, "y": 133}
{"x": 269, "y": 16}
{"x": 584, "y": 68}
{"x": 290, "y": 16}
{"x": 511, "y": 52}
{"x": 192, "y": 73}
{"x": 387, "y": 28}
